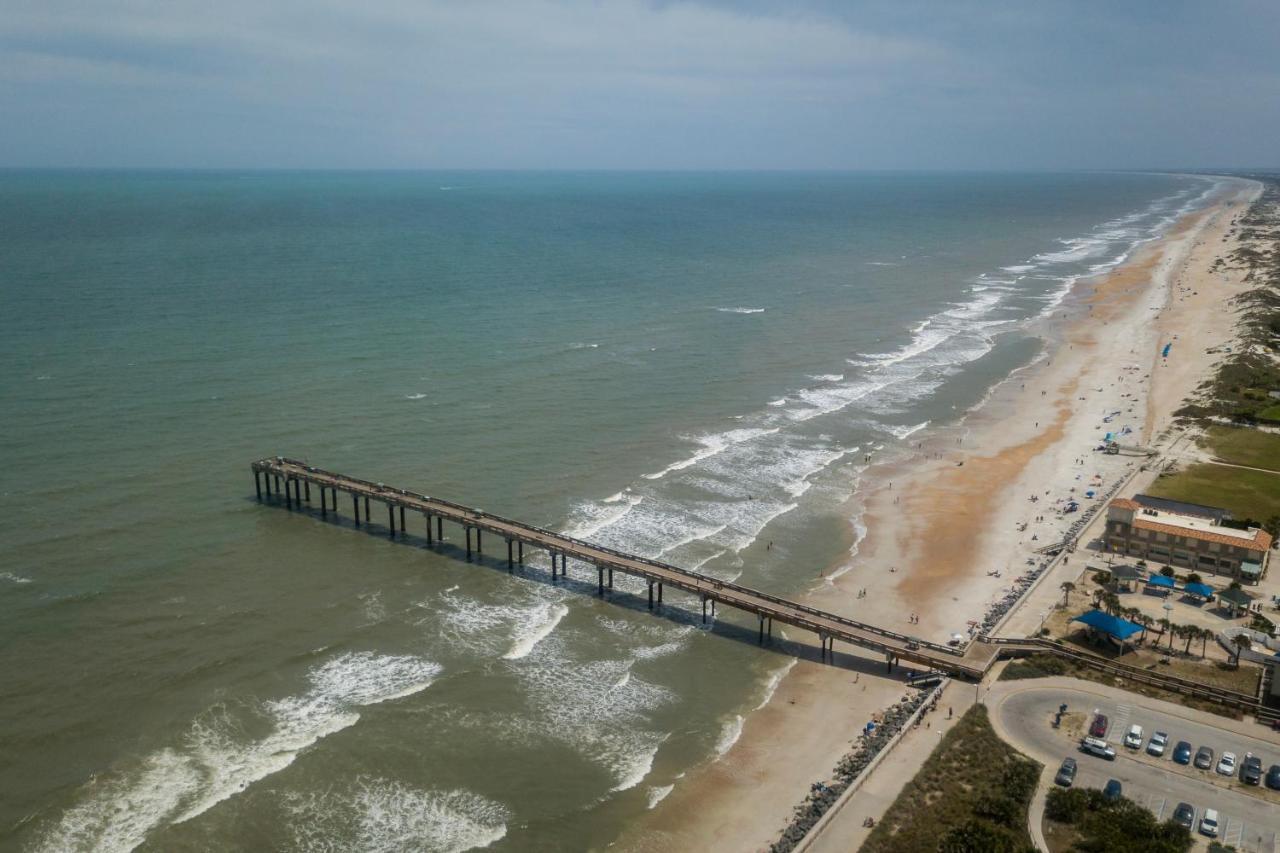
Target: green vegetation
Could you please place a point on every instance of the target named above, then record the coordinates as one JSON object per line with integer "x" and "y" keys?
{"x": 1110, "y": 826}
{"x": 1248, "y": 494}
{"x": 1241, "y": 446}
{"x": 971, "y": 796}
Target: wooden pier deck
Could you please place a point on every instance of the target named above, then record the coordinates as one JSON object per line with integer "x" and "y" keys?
{"x": 279, "y": 476}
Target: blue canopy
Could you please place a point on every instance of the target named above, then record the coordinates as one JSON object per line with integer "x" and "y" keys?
{"x": 1161, "y": 580}
{"x": 1121, "y": 629}
{"x": 1201, "y": 589}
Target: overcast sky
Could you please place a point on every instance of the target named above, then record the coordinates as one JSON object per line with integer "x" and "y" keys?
{"x": 589, "y": 84}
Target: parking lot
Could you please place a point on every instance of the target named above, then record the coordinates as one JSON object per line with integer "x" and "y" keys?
{"x": 1249, "y": 816}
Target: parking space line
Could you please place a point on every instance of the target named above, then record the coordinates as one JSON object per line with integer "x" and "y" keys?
{"x": 1234, "y": 831}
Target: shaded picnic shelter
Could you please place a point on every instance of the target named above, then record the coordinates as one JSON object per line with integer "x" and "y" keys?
{"x": 1118, "y": 630}
{"x": 1160, "y": 582}
{"x": 1235, "y": 601}
{"x": 1200, "y": 590}
{"x": 1125, "y": 576}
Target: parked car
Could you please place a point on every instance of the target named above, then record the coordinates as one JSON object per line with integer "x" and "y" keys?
{"x": 1113, "y": 790}
{"x": 1204, "y": 758}
{"x": 1133, "y": 739}
{"x": 1273, "y": 777}
{"x": 1100, "y": 748}
{"x": 1209, "y": 823}
{"x": 1182, "y": 752}
{"x": 1251, "y": 773}
{"x": 1066, "y": 773}
{"x": 1098, "y": 728}
{"x": 1227, "y": 764}
{"x": 1158, "y": 742}
{"x": 1184, "y": 816}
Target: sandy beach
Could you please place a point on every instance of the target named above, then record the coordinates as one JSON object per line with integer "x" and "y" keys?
{"x": 953, "y": 525}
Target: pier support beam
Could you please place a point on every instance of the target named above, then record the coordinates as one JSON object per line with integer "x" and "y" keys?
{"x": 355, "y": 508}
{"x": 468, "y": 529}
{"x": 306, "y": 484}
{"x": 440, "y": 528}
{"x": 611, "y": 577}
{"x": 391, "y": 521}
{"x": 402, "y": 527}
{"x": 600, "y": 579}
{"x": 479, "y": 543}
{"x": 520, "y": 553}
{"x": 760, "y": 616}
{"x": 257, "y": 484}
{"x": 704, "y": 610}
{"x": 428, "y": 517}
{"x": 553, "y": 564}
{"x": 511, "y": 560}
{"x": 650, "y": 595}
{"x": 367, "y": 516}
{"x": 324, "y": 502}
{"x": 277, "y": 477}
{"x": 659, "y": 593}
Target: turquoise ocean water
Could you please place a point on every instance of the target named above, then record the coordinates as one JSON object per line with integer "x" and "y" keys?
{"x": 689, "y": 366}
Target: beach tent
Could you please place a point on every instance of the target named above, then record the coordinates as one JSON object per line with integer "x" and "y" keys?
{"x": 1113, "y": 626}
{"x": 1160, "y": 581}
{"x": 1200, "y": 589}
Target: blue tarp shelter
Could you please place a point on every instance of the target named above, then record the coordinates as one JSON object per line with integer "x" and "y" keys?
{"x": 1160, "y": 580}
{"x": 1201, "y": 589}
{"x": 1121, "y": 629}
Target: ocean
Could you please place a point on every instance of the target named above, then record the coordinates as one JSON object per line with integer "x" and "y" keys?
{"x": 692, "y": 366}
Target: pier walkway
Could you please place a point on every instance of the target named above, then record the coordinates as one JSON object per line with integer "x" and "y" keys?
{"x": 279, "y": 476}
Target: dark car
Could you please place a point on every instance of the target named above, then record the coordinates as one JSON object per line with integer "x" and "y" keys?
{"x": 1099, "y": 726}
{"x": 1113, "y": 790}
{"x": 1182, "y": 752}
{"x": 1066, "y": 773}
{"x": 1273, "y": 777}
{"x": 1184, "y": 815}
{"x": 1204, "y": 758}
{"x": 1251, "y": 772}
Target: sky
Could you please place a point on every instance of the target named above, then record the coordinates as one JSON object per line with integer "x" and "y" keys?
{"x": 628, "y": 84}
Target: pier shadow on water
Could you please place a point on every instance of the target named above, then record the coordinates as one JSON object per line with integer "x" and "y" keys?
{"x": 589, "y": 587}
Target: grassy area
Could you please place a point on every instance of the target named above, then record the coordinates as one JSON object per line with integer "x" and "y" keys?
{"x": 1241, "y": 446}
{"x": 972, "y": 794}
{"x": 1271, "y": 413}
{"x": 1081, "y": 819}
{"x": 1248, "y": 494}
{"x": 1244, "y": 679}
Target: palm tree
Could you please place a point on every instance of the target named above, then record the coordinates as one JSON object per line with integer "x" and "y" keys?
{"x": 1190, "y": 632}
{"x": 1205, "y": 636}
{"x": 1165, "y": 625}
{"x": 1242, "y": 644}
{"x": 1067, "y": 588}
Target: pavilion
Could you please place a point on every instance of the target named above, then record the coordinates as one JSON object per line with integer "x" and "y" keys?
{"x": 1235, "y": 601}
{"x": 1199, "y": 590}
{"x": 1118, "y": 630}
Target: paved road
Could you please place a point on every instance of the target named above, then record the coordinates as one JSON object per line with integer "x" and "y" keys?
{"x": 1250, "y": 817}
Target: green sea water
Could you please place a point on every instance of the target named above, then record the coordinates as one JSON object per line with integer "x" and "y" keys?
{"x": 690, "y": 366}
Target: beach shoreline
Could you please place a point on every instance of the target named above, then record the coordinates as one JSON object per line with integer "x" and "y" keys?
{"x": 949, "y": 527}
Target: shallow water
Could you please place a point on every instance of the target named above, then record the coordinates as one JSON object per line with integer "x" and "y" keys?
{"x": 690, "y": 366}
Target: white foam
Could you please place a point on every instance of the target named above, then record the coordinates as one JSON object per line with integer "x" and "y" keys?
{"x": 12, "y": 578}
{"x": 730, "y": 731}
{"x": 172, "y": 786}
{"x": 712, "y": 445}
{"x": 531, "y": 632}
{"x": 827, "y": 377}
{"x": 415, "y": 396}
{"x": 657, "y": 794}
{"x": 741, "y": 310}
{"x": 902, "y": 433}
{"x": 771, "y": 686}
{"x": 383, "y": 816}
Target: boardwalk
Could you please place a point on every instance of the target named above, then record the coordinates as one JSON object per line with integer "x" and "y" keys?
{"x": 294, "y": 480}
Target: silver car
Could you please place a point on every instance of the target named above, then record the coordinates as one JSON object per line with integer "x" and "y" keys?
{"x": 1157, "y": 745}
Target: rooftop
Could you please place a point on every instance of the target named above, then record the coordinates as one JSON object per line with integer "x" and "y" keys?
{"x": 1196, "y": 526}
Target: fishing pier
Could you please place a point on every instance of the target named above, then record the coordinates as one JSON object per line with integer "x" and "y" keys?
{"x": 279, "y": 478}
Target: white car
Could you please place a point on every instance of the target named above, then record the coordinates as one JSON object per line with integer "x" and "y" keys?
{"x": 1159, "y": 741}
{"x": 1133, "y": 738}
{"x": 1209, "y": 823}
{"x": 1227, "y": 764}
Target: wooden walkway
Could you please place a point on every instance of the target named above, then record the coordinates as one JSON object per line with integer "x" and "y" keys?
{"x": 293, "y": 480}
